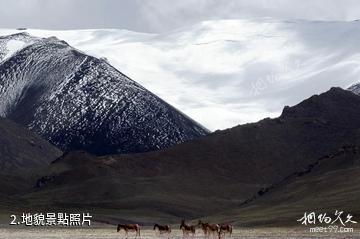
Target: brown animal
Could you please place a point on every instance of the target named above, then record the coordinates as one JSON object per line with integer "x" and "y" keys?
{"x": 187, "y": 229}
{"x": 209, "y": 229}
{"x": 163, "y": 228}
{"x": 129, "y": 227}
{"x": 203, "y": 228}
{"x": 225, "y": 228}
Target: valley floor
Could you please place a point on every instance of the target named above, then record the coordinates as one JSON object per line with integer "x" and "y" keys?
{"x": 110, "y": 232}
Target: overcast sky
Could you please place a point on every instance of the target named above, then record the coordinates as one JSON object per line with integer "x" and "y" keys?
{"x": 162, "y": 15}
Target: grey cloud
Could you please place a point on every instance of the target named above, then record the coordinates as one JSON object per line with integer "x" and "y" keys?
{"x": 69, "y": 14}
{"x": 161, "y": 15}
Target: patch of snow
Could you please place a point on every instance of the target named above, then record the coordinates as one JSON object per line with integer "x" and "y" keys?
{"x": 12, "y": 47}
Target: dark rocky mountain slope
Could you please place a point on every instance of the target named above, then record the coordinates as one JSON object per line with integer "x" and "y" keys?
{"x": 209, "y": 175}
{"x": 22, "y": 154}
{"x": 21, "y": 149}
{"x": 77, "y": 101}
{"x": 331, "y": 183}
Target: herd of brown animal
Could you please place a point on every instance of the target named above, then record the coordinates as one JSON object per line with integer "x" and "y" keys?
{"x": 214, "y": 230}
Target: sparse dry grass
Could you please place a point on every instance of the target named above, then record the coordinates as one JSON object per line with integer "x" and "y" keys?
{"x": 109, "y": 232}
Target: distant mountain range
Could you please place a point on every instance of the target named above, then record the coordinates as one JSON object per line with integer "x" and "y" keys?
{"x": 76, "y": 101}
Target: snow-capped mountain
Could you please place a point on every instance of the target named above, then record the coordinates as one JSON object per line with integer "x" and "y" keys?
{"x": 355, "y": 88}
{"x": 77, "y": 101}
{"x": 227, "y": 72}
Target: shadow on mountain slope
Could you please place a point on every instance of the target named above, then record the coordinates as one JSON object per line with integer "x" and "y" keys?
{"x": 213, "y": 174}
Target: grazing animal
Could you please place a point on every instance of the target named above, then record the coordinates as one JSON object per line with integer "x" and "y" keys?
{"x": 209, "y": 229}
{"x": 163, "y": 228}
{"x": 203, "y": 228}
{"x": 225, "y": 228}
{"x": 129, "y": 227}
{"x": 187, "y": 229}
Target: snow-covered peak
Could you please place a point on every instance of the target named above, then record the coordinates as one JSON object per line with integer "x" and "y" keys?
{"x": 11, "y": 44}
{"x": 226, "y": 72}
{"x": 77, "y": 101}
{"x": 355, "y": 88}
